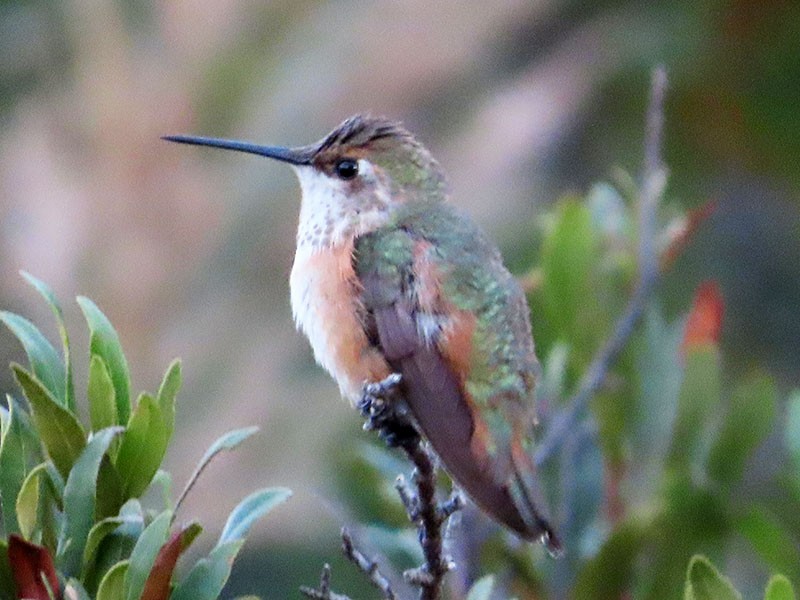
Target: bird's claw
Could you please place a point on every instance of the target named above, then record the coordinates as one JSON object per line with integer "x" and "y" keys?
{"x": 386, "y": 412}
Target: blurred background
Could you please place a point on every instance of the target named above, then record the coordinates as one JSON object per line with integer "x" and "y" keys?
{"x": 188, "y": 250}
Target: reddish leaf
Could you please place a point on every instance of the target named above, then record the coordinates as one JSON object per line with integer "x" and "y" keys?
{"x": 157, "y": 585}
{"x": 705, "y": 320}
{"x": 31, "y": 566}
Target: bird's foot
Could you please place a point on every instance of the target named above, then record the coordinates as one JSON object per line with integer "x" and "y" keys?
{"x": 383, "y": 407}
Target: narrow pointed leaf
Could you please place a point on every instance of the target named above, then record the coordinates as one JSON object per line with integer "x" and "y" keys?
{"x": 162, "y": 481}
{"x": 44, "y": 360}
{"x": 118, "y": 544}
{"x": 167, "y": 393}
{"x": 32, "y": 569}
{"x": 56, "y": 480}
{"x": 102, "y": 403}
{"x": 142, "y": 448}
{"x": 144, "y": 554}
{"x": 12, "y": 468}
{"x": 227, "y": 441}
{"x": 569, "y": 301}
{"x": 97, "y": 534}
{"x": 482, "y": 589}
{"x": 610, "y": 572}
{"x": 79, "y": 501}
{"x": 249, "y": 510}
{"x": 105, "y": 343}
{"x": 779, "y": 588}
{"x": 61, "y": 433}
{"x": 704, "y": 582}
{"x": 28, "y": 501}
{"x": 700, "y": 392}
{"x": 111, "y": 586}
{"x": 771, "y": 541}
{"x": 51, "y": 299}
{"x": 751, "y": 413}
{"x": 158, "y": 582}
{"x": 110, "y": 495}
{"x": 792, "y": 431}
{"x": 207, "y": 578}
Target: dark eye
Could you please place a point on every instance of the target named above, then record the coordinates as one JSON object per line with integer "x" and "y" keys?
{"x": 347, "y": 168}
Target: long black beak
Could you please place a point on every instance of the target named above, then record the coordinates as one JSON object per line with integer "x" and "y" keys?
{"x": 293, "y": 156}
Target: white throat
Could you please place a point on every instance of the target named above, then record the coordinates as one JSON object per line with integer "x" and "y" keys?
{"x": 333, "y": 211}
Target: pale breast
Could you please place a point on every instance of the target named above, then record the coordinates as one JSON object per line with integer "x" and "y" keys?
{"x": 324, "y": 295}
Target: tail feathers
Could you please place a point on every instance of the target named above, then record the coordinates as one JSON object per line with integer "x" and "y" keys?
{"x": 528, "y": 499}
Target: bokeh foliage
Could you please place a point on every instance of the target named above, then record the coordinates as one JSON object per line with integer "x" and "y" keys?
{"x": 669, "y": 462}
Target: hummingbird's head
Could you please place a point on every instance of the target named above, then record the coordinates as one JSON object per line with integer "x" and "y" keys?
{"x": 352, "y": 178}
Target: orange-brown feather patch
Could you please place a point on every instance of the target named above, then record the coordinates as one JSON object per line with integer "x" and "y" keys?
{"x": 333, "y": 295}
{"x": 428, "y": 279}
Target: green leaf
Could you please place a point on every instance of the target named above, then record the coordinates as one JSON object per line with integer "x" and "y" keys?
{"x": 28, "y": 501}
{"x": 167, "y": 393}
{"x": 704, "y": 582}
{"x": 142, "y": 448}
{"x": 749, "y": 420}
{"x": 162, "y": 481}
{"x": 116, "y": 545}
{"x": 700, "y": 392}
{"x": 102, "y": 405}
{"x": 51, "y": 299}
{"x": 105, "y": 343}
{"x": 38, "y": 504}
{"x": 60, "y": 431}
{"x": 227, "y": 441}
{"x": 97, "y": 534}
{"x": 792, "y": 430}
{"x": 56, "y": 481}
{"x": 568, "y": 255}
{"x": 609, "y": 573}
{"x": 79, "y": 501}
{"x": 779, "y": 588}
{"x": 111, "y": 586}
{"x": 482, "y": 589}
{"x": 207, "y": 578}
{"x": 12, "y": 466}
{"x": 109, "y": 485}
{"x": 144, "y": 554}
{"x": 771, "y": 541}
{"x": 249, "y": 510}
{"x": 44, "y": 360}
{"x": 659, "y": 368}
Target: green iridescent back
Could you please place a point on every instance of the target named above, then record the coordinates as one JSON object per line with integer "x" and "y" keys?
{"x": 503, "y": 366}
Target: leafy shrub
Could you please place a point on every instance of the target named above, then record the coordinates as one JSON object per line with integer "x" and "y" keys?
{"x": 72, "y": 517}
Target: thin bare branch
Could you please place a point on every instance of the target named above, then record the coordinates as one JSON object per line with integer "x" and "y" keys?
{"x": 654, "y": 177}
{"x": 324, "y": 592}
{"x": 429, "y": 525}
{"x": 367, "y": 566}
{"x": 394, "y": 425}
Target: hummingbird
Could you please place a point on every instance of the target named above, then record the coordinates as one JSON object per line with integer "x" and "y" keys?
{"x": 390, "y": 278}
